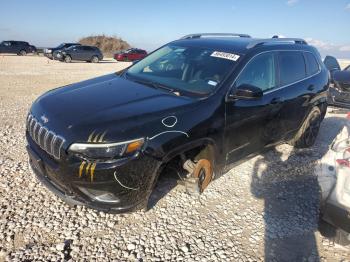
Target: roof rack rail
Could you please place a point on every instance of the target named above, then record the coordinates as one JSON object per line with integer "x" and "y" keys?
{"x": 199, "y": 35}
{"x": 276, "y": 40}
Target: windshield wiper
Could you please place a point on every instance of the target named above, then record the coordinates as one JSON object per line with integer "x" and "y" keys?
{"x": 151, "y": 84}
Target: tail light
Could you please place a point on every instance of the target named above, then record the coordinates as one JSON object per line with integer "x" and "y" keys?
{"x": 343, "y": 162}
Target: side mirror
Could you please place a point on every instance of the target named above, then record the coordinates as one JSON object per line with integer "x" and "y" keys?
{"x": 246, "y": 91}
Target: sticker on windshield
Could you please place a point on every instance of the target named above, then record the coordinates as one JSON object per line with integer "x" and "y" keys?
{"x": 224, "y": 55}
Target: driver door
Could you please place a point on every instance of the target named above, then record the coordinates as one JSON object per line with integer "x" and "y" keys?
{"x": 252, "y": 123}
{"x": 76, "y": 53}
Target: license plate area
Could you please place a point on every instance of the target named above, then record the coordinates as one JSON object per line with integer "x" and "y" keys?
{"x": 35, "y": 161}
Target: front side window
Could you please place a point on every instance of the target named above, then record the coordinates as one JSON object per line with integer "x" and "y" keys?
{"x": 292, "y": 67}
{"x": 259, "y": 72}
{"x": 190, "y": 69}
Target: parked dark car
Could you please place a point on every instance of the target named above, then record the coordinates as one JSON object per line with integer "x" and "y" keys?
{"x": 339, "y": 89}
{"x": 81, "y": 53}
{"x": 17, "y": 47}
{"x": 103, "y": 142}
{"x": 130, "y": 55}
{"x": 48, "y": 52}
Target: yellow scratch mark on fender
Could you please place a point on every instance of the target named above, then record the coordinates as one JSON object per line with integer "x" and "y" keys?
{"x": 87, "y": 168}
{"x": 81, "y": 168}
{"x": 92, "y": 170}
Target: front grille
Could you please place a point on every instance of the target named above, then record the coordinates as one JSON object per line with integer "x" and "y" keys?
{"x": 46, "y": 139}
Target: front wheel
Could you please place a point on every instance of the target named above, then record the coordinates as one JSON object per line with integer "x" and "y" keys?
{"x": 307, "y": 135}
{"x": 67, "y": 59}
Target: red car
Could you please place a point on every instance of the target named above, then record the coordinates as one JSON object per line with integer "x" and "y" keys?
{"x": 130, "y": 55}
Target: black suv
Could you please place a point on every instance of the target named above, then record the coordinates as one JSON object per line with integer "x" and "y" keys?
{"x": 213, "y": 102}
{"x": 81, "y": 53}
{"x": 48, "y": 52}
{"x": 16, "y": 47}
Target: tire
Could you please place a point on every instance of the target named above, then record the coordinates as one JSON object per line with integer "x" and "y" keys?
{"x": 94, "y": 59}
{"x": 22, "y": 53}
{"x": 307, "y": 134}
{"x": 67, "y": 59}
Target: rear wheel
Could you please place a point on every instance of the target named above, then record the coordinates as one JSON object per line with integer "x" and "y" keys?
{"x": 67, "y": 59}
{"x": 94, "y": 59}
{"x": 307, "y": 135}
{"x": 22, "y": 52}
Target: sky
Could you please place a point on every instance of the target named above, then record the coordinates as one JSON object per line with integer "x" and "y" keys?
{"x": 150, "y": 24}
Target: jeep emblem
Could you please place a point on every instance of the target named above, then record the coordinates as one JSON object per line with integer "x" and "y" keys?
{"x": 44, "y": 118}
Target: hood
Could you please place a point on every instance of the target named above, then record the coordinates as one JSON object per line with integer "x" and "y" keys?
{"x": 107, "y": 101}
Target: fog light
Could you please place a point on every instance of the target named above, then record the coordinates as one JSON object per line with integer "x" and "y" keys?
{"x": 99, "y": 195}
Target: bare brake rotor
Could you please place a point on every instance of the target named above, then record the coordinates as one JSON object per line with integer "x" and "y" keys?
{"x": 201, "y": 174}
{"x": 204, "y": 172}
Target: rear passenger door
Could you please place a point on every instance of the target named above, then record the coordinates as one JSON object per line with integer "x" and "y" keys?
{"x": 297, "y": 90}
{"x": 88, "y": 53}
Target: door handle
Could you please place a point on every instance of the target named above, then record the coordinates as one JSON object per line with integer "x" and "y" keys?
{"x": 311, "y": 87}
{"x": 276, "y": 100}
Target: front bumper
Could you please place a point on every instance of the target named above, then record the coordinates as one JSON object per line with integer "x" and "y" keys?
{"x": 126, "y": 183}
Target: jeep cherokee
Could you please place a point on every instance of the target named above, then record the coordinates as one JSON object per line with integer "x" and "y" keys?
{"x": 48, "y": 52}
{"x": 206, "y": 102}
{"x": 80, "y": 53}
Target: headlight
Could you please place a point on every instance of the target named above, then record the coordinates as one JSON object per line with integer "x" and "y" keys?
{"x": 49, "y": 51}
{"x": 107, "y": 151}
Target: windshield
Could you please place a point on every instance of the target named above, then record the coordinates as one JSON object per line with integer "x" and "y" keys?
{"x": 60, "y": 46}
{"x": 184, "y": 68}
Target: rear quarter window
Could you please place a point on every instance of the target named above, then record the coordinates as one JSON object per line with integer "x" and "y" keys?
{"x": 292, "y": 67}
{"x": 312, "y": 66}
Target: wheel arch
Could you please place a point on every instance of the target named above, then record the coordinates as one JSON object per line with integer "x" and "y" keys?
{"x": 200, "y": 148}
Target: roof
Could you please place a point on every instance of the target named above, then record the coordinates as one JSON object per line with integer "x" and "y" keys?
{"x": 240, "y": 45}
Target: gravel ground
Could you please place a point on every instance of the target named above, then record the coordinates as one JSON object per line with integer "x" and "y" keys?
{"x": 263, "y": 209}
